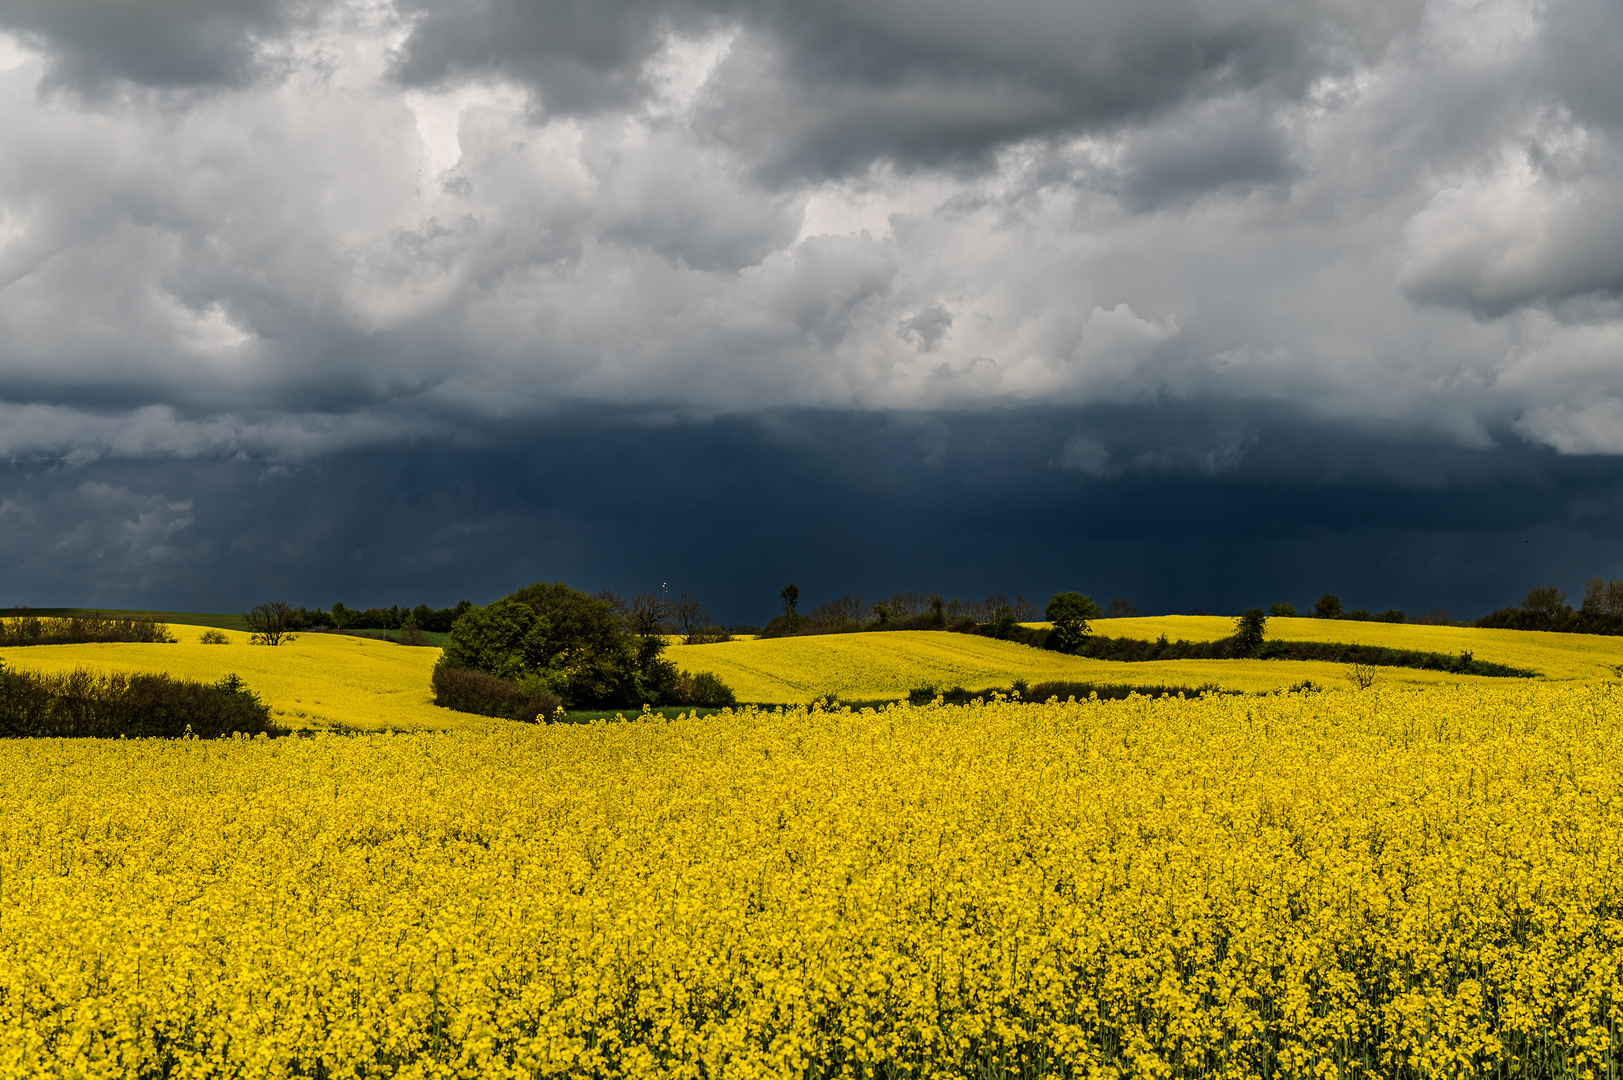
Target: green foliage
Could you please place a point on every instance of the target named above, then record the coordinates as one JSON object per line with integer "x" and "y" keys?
{"x": 504, "y": 639}
{"x": 1136, "y": 650}
{"x": 551, "y": 638}
{"x": 1249, "y": 629}
{"x": 1043, "y": 691}
{"x": 84, "y": 704}
{"x": 1070, "y": 612}
{"x": 703, "y": 689}
{"x": 30, "y": 629}
{"x": 526, "y": 700}
{"x": 1328, "y": 607}
{"x": 431, "y": 620}
{"x": 1282, "y": 610}
{"x": 1603, "y": 597}
{"x": 1545, "y": 602}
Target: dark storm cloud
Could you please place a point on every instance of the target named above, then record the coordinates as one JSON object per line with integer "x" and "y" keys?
{"x": 824, "y": 88}
{"x": 580, "y": 57}
{"x": 1225, "y": 144}
{"x": 847, "y": 83}
{"x": 837, "y": 502}
{"x": 1577, "y": 61}
{"x": 158, "y": 43}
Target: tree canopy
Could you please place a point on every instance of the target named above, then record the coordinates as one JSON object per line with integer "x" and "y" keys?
{"x": 573, "y": 644}
{"x": 1070, "y": 612}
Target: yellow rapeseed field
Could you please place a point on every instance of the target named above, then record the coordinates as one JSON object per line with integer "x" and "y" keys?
{"x": 315, "y": 681}
{"x": 1555, "y": 656}
{"x": 887, "y": 665}
{"x": 1390, "y": 883}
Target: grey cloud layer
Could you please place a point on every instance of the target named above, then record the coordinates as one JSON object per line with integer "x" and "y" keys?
{"x": 275, "y": 228}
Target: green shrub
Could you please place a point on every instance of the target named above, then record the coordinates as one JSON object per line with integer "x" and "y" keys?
{"x": 213, "y": 637}
{"x": 80, "y": 630}
{"x": 466, "y": 690}
{"x": 411, "y": 635}
{"x": 702, "y": 689}
{"x": 85, "y": 704}
{"x": 924, "y": 695}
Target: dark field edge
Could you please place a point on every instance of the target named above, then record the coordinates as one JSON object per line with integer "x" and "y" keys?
{"x": 1137, "y": 650}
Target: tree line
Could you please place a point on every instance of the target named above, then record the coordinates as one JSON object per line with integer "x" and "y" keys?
{"x": 898, "y": 611}
{"x": 339, "y": 617}
{"x": 1546, "y": 608}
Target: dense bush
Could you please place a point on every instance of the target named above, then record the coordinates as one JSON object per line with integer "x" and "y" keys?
{"x": 79, "y": 630}
{"x": 471, "y": 691}
{"x": 1391, "y": 615}
{"x": 703, "y": 689}
{"x": 86, "y": 704}
{"x": 923, "y": 695}
{"x": 566, "y": 642}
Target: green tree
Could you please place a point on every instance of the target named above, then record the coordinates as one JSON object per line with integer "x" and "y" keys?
{"x": 270, "y": 623}
{"x": 1282, "y": 610}
{"x": 1328, "y": 607}
{"x": 584, "y": 638}
{"x": 1248, "y": 632}
{"x": 1070, "y": 612}
{"x": 790, "y": 596}
{"x": 1544, "y": 603}
{"x": 504, "y": 639}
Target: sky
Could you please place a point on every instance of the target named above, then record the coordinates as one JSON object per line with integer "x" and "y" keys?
{"x": 1202, "y": 303}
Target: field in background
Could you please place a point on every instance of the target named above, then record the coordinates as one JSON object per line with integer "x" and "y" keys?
{"x": 1555, "y": 656}
{"x": 888, "y": 665}
{"x": 313, "y": 682}
{"x": 330, "y": 681}
{"x": 220, "y": 620}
